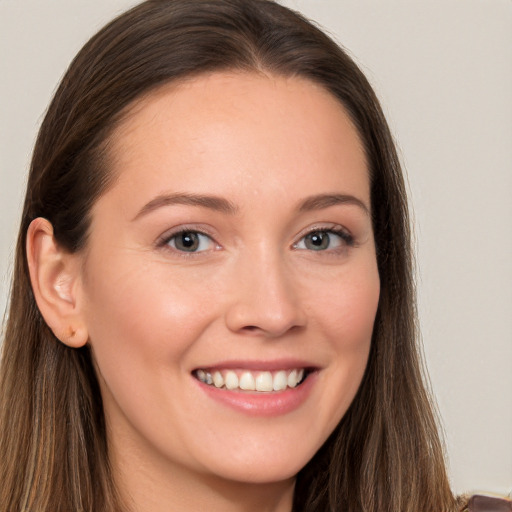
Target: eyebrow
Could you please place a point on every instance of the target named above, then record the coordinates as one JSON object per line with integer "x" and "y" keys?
{"x": 219, "y": 204}
{"x": 321, "y": 201}
{"x": 211, "y": 202}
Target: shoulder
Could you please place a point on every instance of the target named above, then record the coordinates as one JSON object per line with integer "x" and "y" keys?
{"x": 480, "y": 503}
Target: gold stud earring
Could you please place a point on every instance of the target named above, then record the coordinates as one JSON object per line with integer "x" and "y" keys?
{"x": 71, "y": 333}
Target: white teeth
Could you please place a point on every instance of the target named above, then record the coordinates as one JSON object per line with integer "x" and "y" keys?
{"x": 264, "y": 382}
{"x": 218, "y": 380}
{"x": 280, "y": 381}
{"x": 231, "y": 380}
{"x": 252, "y": 381}
{"x": 247, "y": 381}
{"x": 292, "y": 379}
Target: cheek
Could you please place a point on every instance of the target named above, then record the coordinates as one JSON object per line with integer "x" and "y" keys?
{"x": 142, "y": 327}
{"x": 347, "y": 305}
{"x": 136, "y": 316}
{"x": 346, "y": 314}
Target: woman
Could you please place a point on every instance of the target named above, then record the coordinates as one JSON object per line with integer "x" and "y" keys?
{"x": 212, "y": 303}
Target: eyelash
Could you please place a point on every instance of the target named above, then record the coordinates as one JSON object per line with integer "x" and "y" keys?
{"x": 347, "y": 239}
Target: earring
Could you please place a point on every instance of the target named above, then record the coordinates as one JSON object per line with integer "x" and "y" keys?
{"x": 74, "y": 337}
{"x": 67, "y": 337}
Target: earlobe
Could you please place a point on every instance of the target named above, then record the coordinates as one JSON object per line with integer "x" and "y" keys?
{"x": 56, "y": 278}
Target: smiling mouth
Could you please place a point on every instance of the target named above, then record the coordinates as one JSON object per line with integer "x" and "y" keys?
{"x": 245, "y": 380}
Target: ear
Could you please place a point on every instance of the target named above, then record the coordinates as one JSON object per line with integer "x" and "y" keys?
{"x": 55, "y": 275}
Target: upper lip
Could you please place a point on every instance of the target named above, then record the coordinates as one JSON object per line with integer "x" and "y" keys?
{"x": 255, "y": 365}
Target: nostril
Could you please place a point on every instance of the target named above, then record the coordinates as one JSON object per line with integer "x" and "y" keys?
{"x": 255, "y": 316}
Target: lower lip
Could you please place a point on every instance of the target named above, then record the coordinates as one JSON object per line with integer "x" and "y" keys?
{"x": 269, "y": 404}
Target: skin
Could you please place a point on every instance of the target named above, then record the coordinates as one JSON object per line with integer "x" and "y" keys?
{"x": 255, "y": 291}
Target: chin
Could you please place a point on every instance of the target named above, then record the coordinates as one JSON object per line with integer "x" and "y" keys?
{"x": 271, "y": 464}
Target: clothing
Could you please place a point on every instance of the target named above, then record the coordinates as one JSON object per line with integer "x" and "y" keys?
{"x": 479, "y": 503}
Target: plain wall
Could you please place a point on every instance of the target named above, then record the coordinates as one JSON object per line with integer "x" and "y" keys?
{"x": 443, "y": 71}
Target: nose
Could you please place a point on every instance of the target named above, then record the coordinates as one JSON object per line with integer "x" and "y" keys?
{"x": 265, "y": 298}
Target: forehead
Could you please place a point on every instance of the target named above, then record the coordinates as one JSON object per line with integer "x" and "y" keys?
{"x": 219, "y": 131}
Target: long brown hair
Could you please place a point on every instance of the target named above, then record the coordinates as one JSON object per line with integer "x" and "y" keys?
{"x": 385, "y": 455}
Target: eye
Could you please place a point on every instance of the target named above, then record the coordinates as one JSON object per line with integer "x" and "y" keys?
{"x": 190, "y": 241}
{"x": 322, "y": 240}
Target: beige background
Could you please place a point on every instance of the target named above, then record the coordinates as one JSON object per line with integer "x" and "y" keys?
{"x": 443, "y": 70}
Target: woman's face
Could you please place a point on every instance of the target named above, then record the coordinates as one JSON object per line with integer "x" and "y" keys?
{"x": 235, "y": 250}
